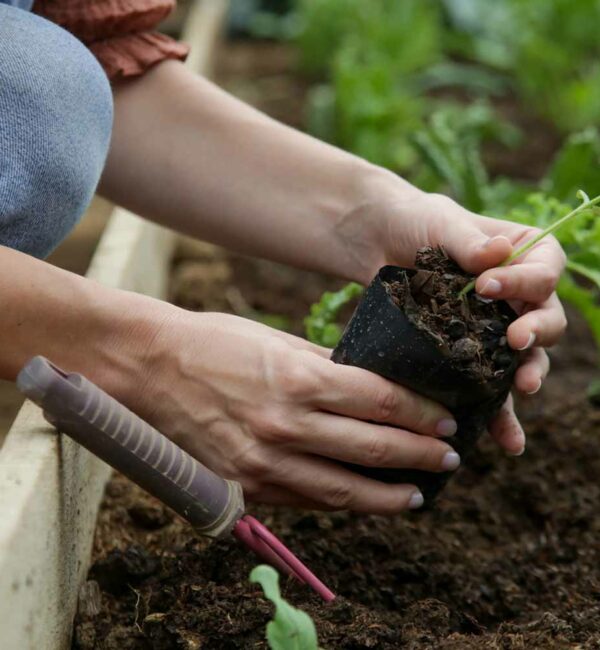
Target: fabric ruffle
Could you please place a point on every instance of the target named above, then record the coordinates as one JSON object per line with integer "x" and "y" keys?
{"x": 93, "y": 20}
{"x": 132, "y": 55}
{"x": 118, "y": 32}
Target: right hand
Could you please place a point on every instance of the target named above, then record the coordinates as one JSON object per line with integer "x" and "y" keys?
{"x": 271, "y": 411}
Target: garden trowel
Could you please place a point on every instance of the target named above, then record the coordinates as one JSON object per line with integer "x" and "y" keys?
{"x": 213, "y": 505}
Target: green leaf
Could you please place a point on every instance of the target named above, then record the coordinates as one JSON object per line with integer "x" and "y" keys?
{"x": 592, "y": 274}
{"x": 291, "y": 628}
{"x": 576, "y": 165}
{"x": 450, "y": 148}
{"x": 320, "y": 324}
{"x": 585, "y": 301}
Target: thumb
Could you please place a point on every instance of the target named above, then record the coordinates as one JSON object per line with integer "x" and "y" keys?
{"x": 473, "y": 250}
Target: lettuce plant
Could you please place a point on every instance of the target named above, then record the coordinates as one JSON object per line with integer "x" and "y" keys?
{"x": 291, "y": 628}
{"x": 321, "y": 326}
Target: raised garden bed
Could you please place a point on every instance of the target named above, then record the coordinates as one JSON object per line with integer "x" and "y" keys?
{"x": 508, "y": 559}
{"x": 50, "y": 488}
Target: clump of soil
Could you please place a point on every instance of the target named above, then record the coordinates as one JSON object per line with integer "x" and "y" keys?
{"x": 470, "y": 330}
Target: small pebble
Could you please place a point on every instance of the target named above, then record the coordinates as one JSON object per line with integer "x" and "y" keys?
{"x": 465, "y": 349}
{"x": 456, "y": 329}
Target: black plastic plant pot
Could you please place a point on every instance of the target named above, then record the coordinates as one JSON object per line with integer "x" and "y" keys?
{"x": 380, "y": 338}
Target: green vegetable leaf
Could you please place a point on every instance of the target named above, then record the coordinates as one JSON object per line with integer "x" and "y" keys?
{"x": 291, "y": 628}
{"x": 576, "y": 165}
{"x": 585, "y": 301}
{"x": 320, "y": 324}
{"x": 450, "y": 147}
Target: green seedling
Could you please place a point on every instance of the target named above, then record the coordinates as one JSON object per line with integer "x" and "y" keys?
{"x": 320, "y": 324}
{"x": 291, "y": 628}
{"x": 586, "y": 205}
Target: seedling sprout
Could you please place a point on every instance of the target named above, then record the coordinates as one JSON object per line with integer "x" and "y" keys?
{"x": 586, "y": 204}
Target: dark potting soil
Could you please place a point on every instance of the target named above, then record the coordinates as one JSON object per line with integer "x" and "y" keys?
{"x": 470, "y": 330}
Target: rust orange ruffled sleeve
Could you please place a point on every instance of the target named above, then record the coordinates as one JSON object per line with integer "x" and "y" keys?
{"x": 118, "y": 32}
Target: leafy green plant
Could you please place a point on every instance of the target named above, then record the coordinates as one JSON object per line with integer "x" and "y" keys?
{"x": 449, "y": 147}
{"x": 291, "y": 628}
{"x": 587, "y": 261}
{"x": 369, "y": 100}
{"x": 576, "y": 165}
{"x": 321, "y": 326}
{"x": 550, "y": 49}
{"x": 580, "y": 238}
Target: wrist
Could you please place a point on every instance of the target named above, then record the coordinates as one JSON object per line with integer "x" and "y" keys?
{"x": 364, "y": 231}
{"x": 124, "y": 350}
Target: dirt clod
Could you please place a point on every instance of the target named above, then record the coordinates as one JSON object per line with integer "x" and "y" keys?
{"x": 476, "y": 341}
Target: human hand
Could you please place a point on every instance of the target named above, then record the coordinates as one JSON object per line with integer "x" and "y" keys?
{"x": 479, "y": 245}
{"x": 273, "y": 412}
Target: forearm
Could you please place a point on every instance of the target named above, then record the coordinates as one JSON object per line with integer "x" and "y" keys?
{"x": 76, "y": 323}
{"x": 188, "y": 155}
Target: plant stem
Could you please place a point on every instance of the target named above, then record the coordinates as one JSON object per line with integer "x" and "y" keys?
{"x": 587, "y": 203}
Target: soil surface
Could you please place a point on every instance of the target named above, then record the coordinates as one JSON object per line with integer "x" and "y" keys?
{"x": 470, "y": 330}
{"x": 509, "y": 558}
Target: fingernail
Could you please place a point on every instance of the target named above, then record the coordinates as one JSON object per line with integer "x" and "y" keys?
{"x": 491, "y": 240}
{"x": 491, "y": 288}
{"x": 416, "y": 500}
{"x": 450, "y": 461}
{"x": 529, "y": 343}
{"x": 446, "y": 427}
{"x": 535, "y": 390}
{"x": 518, "y": 453}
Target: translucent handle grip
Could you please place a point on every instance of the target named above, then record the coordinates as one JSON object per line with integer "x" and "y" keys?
{"x": 108, "y": 429}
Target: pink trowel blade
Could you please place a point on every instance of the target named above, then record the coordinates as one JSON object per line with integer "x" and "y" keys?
{"x": 262, "y": 541}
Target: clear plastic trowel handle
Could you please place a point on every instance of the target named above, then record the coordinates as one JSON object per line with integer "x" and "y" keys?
{"x": 112, "y": 432}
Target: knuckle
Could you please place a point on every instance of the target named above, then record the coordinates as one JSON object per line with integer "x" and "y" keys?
{"x": 441, "y": 201}
{"x": 563, "y": 255}
{"x": 532, "y": 231}
{"x": 421, "y": 415}
{"x": 297, "y": 381}
{"x": 253, "y": 463}
{"x": 563, "y": 323}
{"x": 338, "y": 496}
{"x": 386, "y": 405}
{"x": 428, "y": 456}
{"x": 378, "y": 451}
{"x": 272, "y": 425}
{"x": 550, "y": 281}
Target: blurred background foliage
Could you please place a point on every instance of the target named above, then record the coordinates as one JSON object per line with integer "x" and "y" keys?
{"x": 427, "y": 87}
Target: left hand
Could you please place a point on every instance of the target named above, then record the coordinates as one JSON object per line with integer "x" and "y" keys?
{"x": 479, "y": 244}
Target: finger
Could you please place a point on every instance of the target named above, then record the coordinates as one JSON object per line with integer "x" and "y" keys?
{"x": 473, "y": 250}
{"x": 275, "y": 495}
{"x": 547, "y": 251}
{"x": 507, "y": 431}
{"x": 532, "y": 371}
{"x": 541, "y": 327}
{"x": 374, "y": 445}
{"x": 334, "y": 487}
{"x": 533, "y": 282}
{"x": 471, "y": 240}
{"x": 361, "y": 394}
